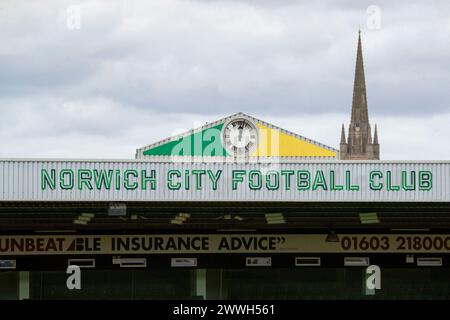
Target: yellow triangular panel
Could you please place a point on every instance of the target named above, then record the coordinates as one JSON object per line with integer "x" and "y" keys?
{"x": 274, "y": 143}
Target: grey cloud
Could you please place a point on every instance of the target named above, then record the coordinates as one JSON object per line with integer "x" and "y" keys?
{"x": 188, "y": 56}
{"x": 201, "y": 59}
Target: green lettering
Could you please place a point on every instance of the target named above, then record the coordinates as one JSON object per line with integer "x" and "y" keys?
{"x": 118, "y": 180}
{"x": 146, "y": 179}
{"x": 348, "y": 184}
{"x": 389, "y": 186}
{"x": 373, "y": 183}
{"x": 275, "y": 185}
{"x": 303, "y": 180}
{"x": 214, "y": 178}
{"x": 412, "y": 181}
{"x": 103, "y": 178}
{"x": 133, "y": 185}
{"x": 237, "y": 176}
{"x": 287, "y": 178}
{"x": 66, "y": 184}
{"x": 319, "y": 181}
{"x": 251, "y": 181}
{"x": 425, "y": 180}
{"x": 198, "y": 178}
{"x": 333, "y": 185}
{"x": 84, "y": 178}
{"x": 170, "y": 176}
{"x": 48, "y": 179}
{"x": 186, "y": 180}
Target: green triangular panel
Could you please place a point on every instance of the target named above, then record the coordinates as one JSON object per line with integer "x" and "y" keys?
{"x": 204, "y": 143}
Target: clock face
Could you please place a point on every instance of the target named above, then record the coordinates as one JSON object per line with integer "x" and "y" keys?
{"x": 240, "y": 136}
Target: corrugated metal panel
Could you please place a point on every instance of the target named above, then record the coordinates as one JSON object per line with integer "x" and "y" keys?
{"x": 20, "y": 180}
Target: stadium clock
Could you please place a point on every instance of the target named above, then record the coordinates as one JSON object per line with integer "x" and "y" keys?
{"x": 240, "y": 136}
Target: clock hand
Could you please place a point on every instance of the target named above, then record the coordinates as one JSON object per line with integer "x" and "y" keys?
{"x": 241, "y": 129}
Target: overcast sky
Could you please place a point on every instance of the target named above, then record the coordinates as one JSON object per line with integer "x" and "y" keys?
{"x": 123, "y": 74}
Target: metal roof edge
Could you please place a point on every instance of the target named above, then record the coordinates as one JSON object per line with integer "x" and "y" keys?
{"x": 380, "y": 162}
{"x": 186, "y": 133}
{"x": 224, "y": 119}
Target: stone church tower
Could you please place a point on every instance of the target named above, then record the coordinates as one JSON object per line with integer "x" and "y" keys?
{"x": 360, "y": 145}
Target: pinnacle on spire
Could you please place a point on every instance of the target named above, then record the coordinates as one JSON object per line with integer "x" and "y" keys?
{"x": 343, "y": 135}
{"x": 375, "y": 135}
{"x": 369, "y": 138}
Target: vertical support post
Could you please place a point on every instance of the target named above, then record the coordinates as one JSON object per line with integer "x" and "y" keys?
{"x": 341, "y": 283}
{"x": 214, "y": 284}
{"x": 24, "y": 285}
{"x": 200, "y": 282}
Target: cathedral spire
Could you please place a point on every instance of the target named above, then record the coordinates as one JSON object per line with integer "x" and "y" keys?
{"x": 360, "y": 145}
{"x": 359, "y": 103}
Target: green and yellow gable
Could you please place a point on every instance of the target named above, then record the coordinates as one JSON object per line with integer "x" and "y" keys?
{"x": 207, "y": 141}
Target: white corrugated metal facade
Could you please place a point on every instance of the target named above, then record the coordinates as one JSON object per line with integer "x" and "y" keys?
{"x": 22, "y": 180}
